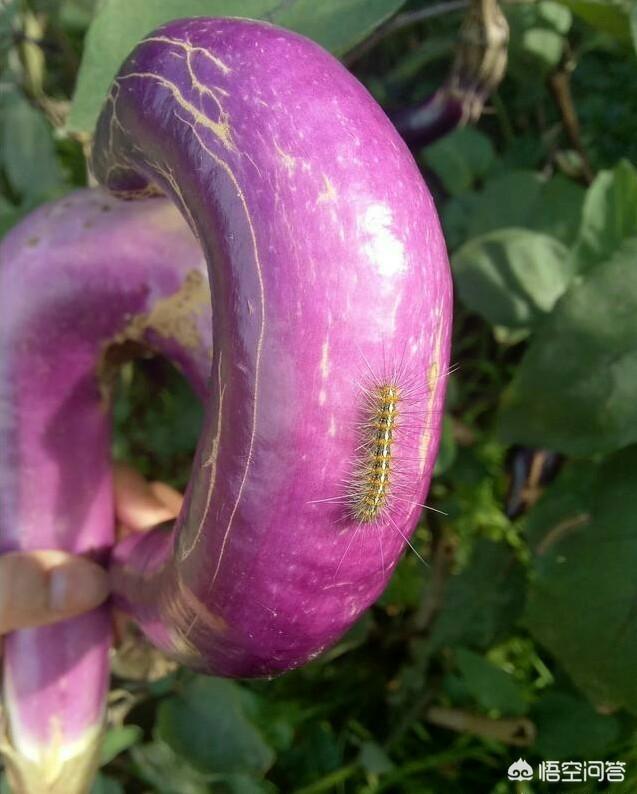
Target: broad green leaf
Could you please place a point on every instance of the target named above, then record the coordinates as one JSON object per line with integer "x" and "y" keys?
{"x": 76, "y": 14}
{"x": 575, "y": 388}
{"x": 10, "y": 10}
{"x": 456, "y": 214}
{"x": 609, "y": 215}
{"x": 413, "y": 64}
{"x": 120, "y": 24}
{"x": 28, "y": 154}
{"x": 607, "y": 16}
{"x": 582, "y": 595}
{"x": 208, "y": 726}
{"x": 490, "y": 686}
{"x": 336, "y": 24}
{"x": 512, "y": 277}
{"x": 482, "y": 601}
{"x": 517, "y": 198}
{"x": 9, "y": 215}
{"x": 317, "y": 752}
{"x": 569, "y": 727}
{"x": 168, "y": 773}
{"x": 374, "y": 759}
{"x": 460, "y": 159}
{"x": 633, "y": 25}
{"x": 536, "y": 40}
{"x": 544, "y": 47}
{"x": 563, "y": 506}
{"x": 554, "y": 15}
{"x": 506, "y": 200}
{"x": 545, "y": 14}
{"x": 244, "y": 784}
{"x": 558, "y": 210}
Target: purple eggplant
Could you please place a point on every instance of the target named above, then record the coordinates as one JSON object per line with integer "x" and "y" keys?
{"x": 323, "y": 374}
{"x": 330, "y": 284}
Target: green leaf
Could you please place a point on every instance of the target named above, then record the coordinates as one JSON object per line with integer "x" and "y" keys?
{"x": 28, "y": 154}
{"x": 8, "y": 16}
{"x": 582, "y": 595}
{"x": 490, "y": 686}
{"x": 563, "y": 506}
{"x": 517, "y": 198}
{"x": 317, "y": 752}
{"x": 544, "y": 48}
{"x": 536, "y": 40}
{"x": 158, "y": 766}
{"x": 575, "y": 388}
{"x": 608, "y": 215}
{"x": 557, "y": 16}
{"x": 9, "y": 216}
{"x": 208, "y": 726}
{"x": 244, "y": 784}
{"x": 120, "y": 24}
{"x": 506, "y": 200}
{"x": 456, "y": 214}
{"x": 569, "y": 727}
{"x": 512, "y": 277}
{"x": 482, "y": 601}
{"x": 119, "y": 739}
{"x": 558, "y": 209}
{"x": 374, "y": 759}
{"x": 76, "y": 15}
{"x": 460, "y": 159}
{"x": 336, "y": 24}
{"x": 606, "y": 16}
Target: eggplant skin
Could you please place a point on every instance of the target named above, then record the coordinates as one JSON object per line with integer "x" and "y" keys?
{"x": 327, "y": 270}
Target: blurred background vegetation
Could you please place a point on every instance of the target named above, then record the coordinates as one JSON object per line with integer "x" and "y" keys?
{"x": 519, "y": 635}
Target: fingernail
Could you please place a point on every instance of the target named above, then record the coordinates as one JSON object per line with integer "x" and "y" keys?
{"x": 77, "y": 586}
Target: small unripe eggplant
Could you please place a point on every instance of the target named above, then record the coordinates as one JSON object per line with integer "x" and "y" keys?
{"x": 331, "y": 315}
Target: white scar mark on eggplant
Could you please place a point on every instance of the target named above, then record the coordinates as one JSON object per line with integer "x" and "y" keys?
{"x": 211, "y": 463}
{"x": 189, "y": 49}
{"x": 220, "y": 129}
{"x": 224, "y": 165}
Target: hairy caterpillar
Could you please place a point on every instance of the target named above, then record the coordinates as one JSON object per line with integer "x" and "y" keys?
{"x": 373, "y": 479}
{"x": 397, "y": 419}
{"x": 398, "y": 414}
